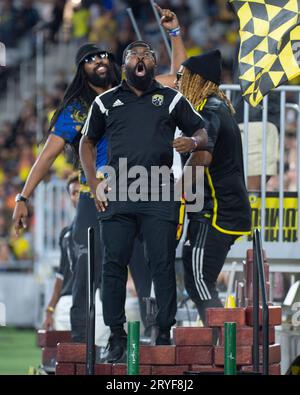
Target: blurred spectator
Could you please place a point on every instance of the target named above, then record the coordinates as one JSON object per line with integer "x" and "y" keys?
{"x": 56, "y": 19}
{"x": 125, "y": 37}
{"x": 5, "y": 253}
{"x": 104, "y": 30}
{"x": 80, "y": 24}
{"x": 3, "y": 224}
{"x": 8, "y": 19}
{"x": 163, "y": 61}
{"x": 21, "y": 246}
{"x": 28, "y": 17}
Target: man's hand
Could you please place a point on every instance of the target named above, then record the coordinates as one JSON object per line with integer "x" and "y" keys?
{"x": 99, "y": 190}
{"x": 48, "y": 323}
{"x": 20, "y": 216}
{"x": 184, "y": 145}
{"x": 168, "y": 18}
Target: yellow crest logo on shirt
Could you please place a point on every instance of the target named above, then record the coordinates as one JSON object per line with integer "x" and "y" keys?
{"x": 157, "y": 100}
{"x": 79, "y": 116}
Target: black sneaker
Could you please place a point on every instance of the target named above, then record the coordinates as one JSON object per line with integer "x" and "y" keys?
{"x": 116, "y": 349}
{"x": 163, "y": 338}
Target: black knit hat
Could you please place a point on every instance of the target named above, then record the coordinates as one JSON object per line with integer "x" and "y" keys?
{"x": 139, "y": 43}
{"x": 208, "y": 65}
{"x": 90, "y": 49}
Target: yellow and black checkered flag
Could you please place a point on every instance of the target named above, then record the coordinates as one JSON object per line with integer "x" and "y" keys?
{"x": 269, "y": 52}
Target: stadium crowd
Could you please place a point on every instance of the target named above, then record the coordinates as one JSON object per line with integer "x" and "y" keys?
{"x": 107, "y": 23}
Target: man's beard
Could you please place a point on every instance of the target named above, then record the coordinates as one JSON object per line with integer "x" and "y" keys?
{"x": 101, "y": 81}
{"x": 141, "y": 83}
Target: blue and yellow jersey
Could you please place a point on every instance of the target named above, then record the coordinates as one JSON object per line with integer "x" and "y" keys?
{"x": 68, "y": 126}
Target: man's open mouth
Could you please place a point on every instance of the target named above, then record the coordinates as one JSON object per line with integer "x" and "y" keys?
{"x": 140, "y": 69}
{"x": 102, "y": 69}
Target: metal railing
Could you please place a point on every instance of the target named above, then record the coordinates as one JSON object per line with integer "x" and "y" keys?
{"x": 281, "y": 251}
{"x": 53, "y": 211}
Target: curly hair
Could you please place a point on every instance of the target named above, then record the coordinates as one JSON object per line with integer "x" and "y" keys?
{"x": 196, "y": 89}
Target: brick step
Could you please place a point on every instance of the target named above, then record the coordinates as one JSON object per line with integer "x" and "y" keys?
{"x": 65, "y": 369}
{"x": 51, "y": 338}
{"x": 244, "y": 336}
{"x": 250, "y": 256}
{"x": 206, "y": 368}
{"x": 192, "y": 336}
{"x": 274, "y": 315}
{"x": 157, "y": 370}
{"x": 172, "y": 355}
{"x": 244, "y": 355}
{"x": 158, "y": 355}
{"x": 274, "y": 369}
{"x": 194, "y": 355}
{"x": 149, "y": 355}
{"x": 217, "y": 316}
{"x": 71, "y": 352}
{"x": 100, "y": 369}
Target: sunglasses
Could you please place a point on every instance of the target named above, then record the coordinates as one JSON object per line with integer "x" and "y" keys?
{"x": 179, "y": 74}
{"x": 92, "y": 58}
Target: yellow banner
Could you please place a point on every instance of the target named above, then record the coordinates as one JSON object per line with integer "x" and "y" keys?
{"x": 290, "y": 215}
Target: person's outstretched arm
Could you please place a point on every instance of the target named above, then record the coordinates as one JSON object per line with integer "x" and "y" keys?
{"x": 53, "y": 147}
{"x": 171, "y": 24}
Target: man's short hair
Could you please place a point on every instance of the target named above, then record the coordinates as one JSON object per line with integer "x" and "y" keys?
{"x": 74, "y": 177}
{"x": 138, "y": 43}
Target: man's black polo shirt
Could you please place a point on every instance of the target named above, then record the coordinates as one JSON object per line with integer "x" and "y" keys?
{"x": 141, "y": 128}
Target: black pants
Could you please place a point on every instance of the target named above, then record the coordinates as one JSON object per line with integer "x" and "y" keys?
{"x": 141, "y": 276}
{"x": 204, "y": 254}
{"x": 118, "y": 233}
{"x": 86, "y": 216}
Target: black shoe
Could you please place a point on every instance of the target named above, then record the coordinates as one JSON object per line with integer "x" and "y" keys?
{"x": 163, "y": 338}
{"x": 116, "y": 349}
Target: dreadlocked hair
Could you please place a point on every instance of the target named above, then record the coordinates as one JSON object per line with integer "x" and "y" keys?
{"x": 196, "y": 89}
{"x": 80, "y": 90}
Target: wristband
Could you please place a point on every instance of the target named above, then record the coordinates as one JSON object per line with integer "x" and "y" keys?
{"x": 174, "y": 32}
{"x": 50, "y": 309}
{"x": 20, "y": 198}
{"x": 195, "y": 144}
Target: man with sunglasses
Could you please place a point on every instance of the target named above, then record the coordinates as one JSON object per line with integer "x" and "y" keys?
{"x": 96, "y": 72}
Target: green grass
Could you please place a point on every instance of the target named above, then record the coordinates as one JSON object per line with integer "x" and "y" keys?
{"x": 18, "y": 351}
